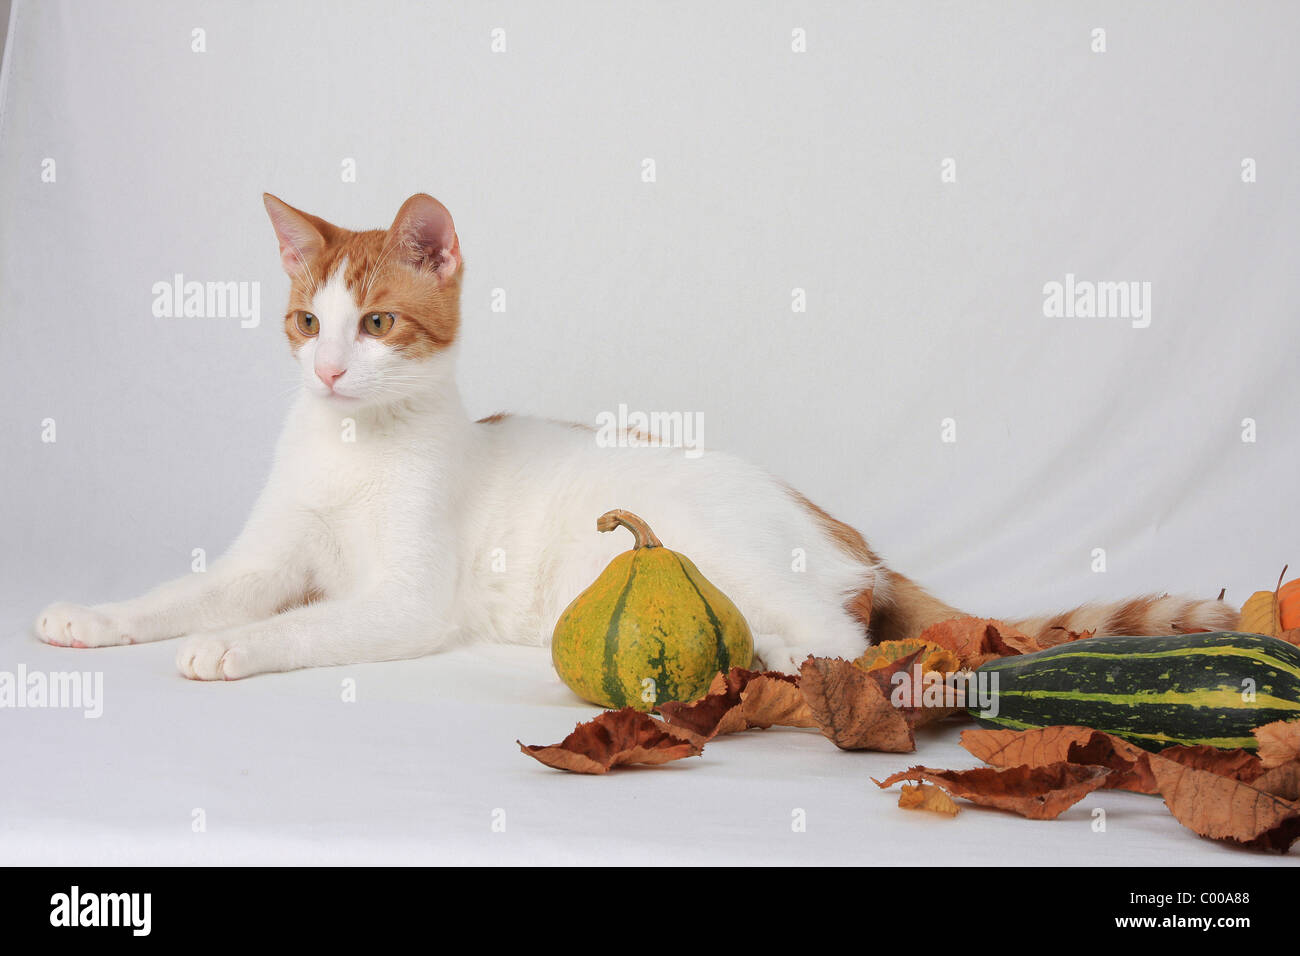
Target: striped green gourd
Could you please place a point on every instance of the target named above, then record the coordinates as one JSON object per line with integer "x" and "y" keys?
{"x": 651, "y": 629}
{"x": 1152, "y": 691}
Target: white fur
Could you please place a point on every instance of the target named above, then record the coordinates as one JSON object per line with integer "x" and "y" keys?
{"x": 430, "y": 529}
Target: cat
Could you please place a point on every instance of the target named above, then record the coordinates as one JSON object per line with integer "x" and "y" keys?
{"x": 429, "y": 529}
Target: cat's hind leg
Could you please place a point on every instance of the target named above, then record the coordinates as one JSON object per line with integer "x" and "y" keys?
{"x": 784, "y": 642}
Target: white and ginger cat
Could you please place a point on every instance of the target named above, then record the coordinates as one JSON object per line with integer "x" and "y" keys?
{"x": 429, "y": 528}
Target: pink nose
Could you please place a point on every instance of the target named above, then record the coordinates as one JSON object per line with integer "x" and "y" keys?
{"x": 329, "y": 374}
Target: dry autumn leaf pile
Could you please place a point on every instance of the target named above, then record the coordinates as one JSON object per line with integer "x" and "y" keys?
{"x": 1252, "y": 799}
{"x": 848, "y": 701}
{"x": 1231, "y": 795}
{"x": 850, "y": 706}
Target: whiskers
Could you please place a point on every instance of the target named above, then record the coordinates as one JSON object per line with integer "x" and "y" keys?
{"x": 295, "y": 385}
{"x": 401, "y": 385}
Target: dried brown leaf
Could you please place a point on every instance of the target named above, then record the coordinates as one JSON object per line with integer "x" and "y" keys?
{"x": 775, "y": 700}
{"x": 1129, "y": 764}
{"x": 734, "y": 680}
{"x": 851, "y": 709}
{"x": 926, "y": 796}
{"x": 883, "y": 671}
{"x": 919, "y": 717}
{"x": 1283, "y": 781}
{"x": 1225, "y": 809}
{"x": 1010, "y": 748}
{"x": 706, "y": 718}
{"x": 1039, "y": 793}
{"x": 924, "y": 698}
{"x": 615, "y": 737}
{"x": 1238, "y": 764}
{"x": 975, "y": 639}
{"x": 1217, "y": 794}
{"x": 1044, "y": 746}
{"x": 739, "y": 700}
{"x": 920, "y": 661}
{"x": 936, "y": 658}
{"x": 915, "y": 712}
{"x": 1279, "y": 743}
{"x": 1005, "y": 748}
{"x": 1262, "y": 612}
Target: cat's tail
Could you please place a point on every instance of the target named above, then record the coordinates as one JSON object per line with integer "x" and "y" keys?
{"x": 908, "y": 609}
{"x": 1155, "y": 614}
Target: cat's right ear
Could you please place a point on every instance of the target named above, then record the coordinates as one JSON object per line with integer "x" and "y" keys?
{"x": 301, "y": 236}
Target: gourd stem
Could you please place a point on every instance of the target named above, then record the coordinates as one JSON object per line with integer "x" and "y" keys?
{"x": 645, "y": 538}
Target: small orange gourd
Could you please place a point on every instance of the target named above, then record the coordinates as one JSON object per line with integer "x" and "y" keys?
{"x": 1288, "y": 603}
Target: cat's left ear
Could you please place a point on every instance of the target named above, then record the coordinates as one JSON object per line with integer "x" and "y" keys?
{"x": 301, "y": 236}
{"x": 426, "y": 237}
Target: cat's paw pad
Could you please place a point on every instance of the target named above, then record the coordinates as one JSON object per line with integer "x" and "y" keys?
{"x": 213, "y": 657}
{"x": 72, "y": 625}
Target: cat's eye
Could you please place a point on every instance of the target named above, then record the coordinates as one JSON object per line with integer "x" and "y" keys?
{"x": 307, "y": 323}
{"x": 377, "y": 323}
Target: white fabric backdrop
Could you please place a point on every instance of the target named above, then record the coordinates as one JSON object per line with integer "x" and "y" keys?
{"x": 776, "y": 170}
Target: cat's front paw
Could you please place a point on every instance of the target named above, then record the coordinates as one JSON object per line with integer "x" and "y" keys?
{"x": 72, "y": 625}
{"x": 215, "y": 657}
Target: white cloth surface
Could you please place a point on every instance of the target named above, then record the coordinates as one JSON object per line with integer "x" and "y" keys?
{"x": 417, "y": 769}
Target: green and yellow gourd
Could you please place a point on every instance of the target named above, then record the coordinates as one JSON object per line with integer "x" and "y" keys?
{"x": 651, "y": 628}
{"x": 1211, "y": 688}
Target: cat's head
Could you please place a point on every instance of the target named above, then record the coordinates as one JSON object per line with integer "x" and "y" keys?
{"x": 371, "y": 314}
